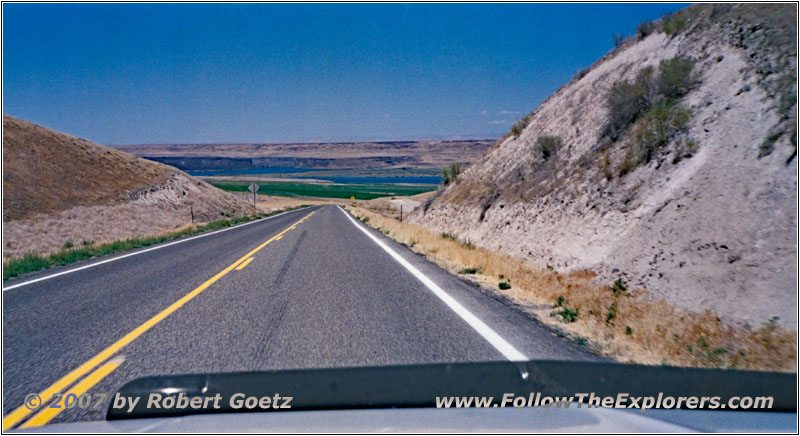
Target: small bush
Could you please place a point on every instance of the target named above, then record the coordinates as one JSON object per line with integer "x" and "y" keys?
{"x": 619, "y": 286}
{"x": 546, "y": 147}
{"x": 568, "y": 315}
{"x": 627, "y": 100}
{"x": 674, "y": 24}
{"x": 656, "y": 128}
{"x": 674, "y": 78}
{"x": 580, "y": 74}
{"x": 520, "y": 125}
{"x": 449, "y": 236}
{"x": 452, "y": 174}
{"x": 67, "y": 245}
{"x": 684, "y": 149}
{"x": 766, "y": 147}
{"x": 618, "y": 40}
{"x": 504, "y": 285}
{"x": 645, "y": 28}
{"x": 628, "y": 330}
{"x": 468, "y": 271}
{"x": 612, "y": 312}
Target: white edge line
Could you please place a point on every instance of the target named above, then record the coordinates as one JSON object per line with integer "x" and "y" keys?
{"x": 202, "y": 235}
{"x": 497, "y": 341}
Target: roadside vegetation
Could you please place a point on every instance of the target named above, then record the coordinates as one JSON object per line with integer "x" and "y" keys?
{"x": 613, "y": 318}
{"x": 451, "y": 174}
{"x": 86, "y": 250}
{"x": 520, "y": 125}
{"x": 648, "y": 110}
{"x": 361, "y": 191}
{"x": 545, "y": 148}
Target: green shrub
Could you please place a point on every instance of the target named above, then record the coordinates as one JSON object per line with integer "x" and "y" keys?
{"x": 674, "y": 24}
{"x": 546, "y": 147}
{"x": 449, "y": 236}
{"x": 568, "y": 315}
{"x": 520, "y": 125}
{"x": 612, "y": 312}
{"x": 675, "y": 77}
{"x": 504, "y": 285}
{"x": 627, "y": 100}
{"x": 451, "y": 174}
{"x": 645, "y": 28}
{"x": 468, "y": 271}
{"x": 619, "y": 286}
{"x": 684, "y": 148}
{"x": 656, "y": 128}
{"x": 766, "y": 147}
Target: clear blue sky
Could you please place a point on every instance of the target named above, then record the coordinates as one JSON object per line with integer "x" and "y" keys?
{"x": 170, "y": 73}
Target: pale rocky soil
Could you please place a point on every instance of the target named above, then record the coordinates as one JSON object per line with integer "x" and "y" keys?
{"x": 716, "y": 231}
{"x": 58, "y": 188}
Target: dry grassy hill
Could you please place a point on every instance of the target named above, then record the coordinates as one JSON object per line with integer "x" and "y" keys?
{"x": 670, "y": 163}
{"x": 59, "y": 188}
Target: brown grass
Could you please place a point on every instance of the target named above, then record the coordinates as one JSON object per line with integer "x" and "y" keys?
{"x": 45, "y": 172}
{"x": 641, "y": 330}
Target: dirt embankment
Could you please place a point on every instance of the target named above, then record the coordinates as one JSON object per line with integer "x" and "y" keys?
{"x": 691, "y": 195}
{"x": 61, "y": 189}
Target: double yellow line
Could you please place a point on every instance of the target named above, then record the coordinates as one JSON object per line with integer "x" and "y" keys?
{"x": 58, "y": 387}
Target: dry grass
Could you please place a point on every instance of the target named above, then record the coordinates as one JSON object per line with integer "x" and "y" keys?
{"x": 45, "y": 172}
{"x": 625, "y": 324}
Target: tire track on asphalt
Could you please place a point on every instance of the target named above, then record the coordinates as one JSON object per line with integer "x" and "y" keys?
{"x": 275, "y": 321}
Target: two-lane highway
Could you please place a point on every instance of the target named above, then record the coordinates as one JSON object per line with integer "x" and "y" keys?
{"x": 309, "y": 288}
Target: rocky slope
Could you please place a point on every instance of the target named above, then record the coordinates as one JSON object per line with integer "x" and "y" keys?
{"x": 59, "y": 188}
{"x": 692, "y": 195}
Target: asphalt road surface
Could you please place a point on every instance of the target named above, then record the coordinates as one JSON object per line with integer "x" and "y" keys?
{"x": 309, "y": 288}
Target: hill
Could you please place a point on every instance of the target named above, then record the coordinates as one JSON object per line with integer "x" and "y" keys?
{"x": 670, "y": 164}
{"x": 58, "y": 188}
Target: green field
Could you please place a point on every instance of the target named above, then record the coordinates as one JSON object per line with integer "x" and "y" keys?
{"x": 360, "y": 191}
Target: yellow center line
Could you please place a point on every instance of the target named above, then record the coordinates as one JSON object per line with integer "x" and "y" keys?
{"x": 58, "y": 387}
{"x": 244, "y": 264}
{"x": 48, "y": 413}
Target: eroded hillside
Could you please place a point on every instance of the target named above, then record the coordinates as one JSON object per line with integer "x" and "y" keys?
{"x": 670, "y": 163}
{"x": 61, "y": 189}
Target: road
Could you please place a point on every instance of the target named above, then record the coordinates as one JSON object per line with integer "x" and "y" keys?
{"x": 306, "y": 289}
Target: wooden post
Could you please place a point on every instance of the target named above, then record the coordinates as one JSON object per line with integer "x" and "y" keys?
{"x": 401, "y": 212}
{"x": 191, "y": 210}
